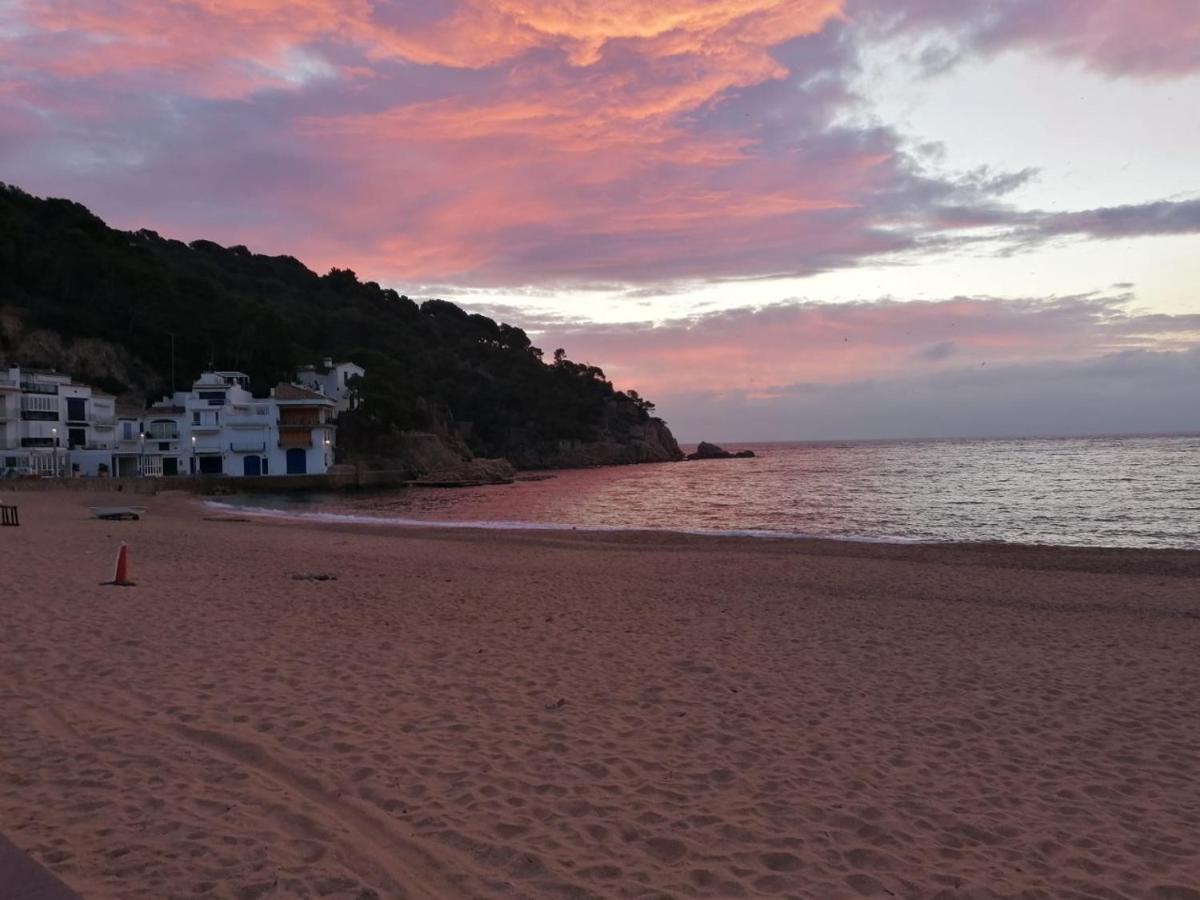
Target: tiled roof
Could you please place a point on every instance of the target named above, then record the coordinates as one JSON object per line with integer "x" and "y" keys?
{"x": 295, "y": 392}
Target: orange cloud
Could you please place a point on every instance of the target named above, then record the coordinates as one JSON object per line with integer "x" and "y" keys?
{"x": 507, "y": 142}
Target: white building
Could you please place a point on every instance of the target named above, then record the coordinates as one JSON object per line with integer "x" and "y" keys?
{"x": 51, "y": 425}
{"x": 220, "y": 428}
{"x": 333, "y": 380}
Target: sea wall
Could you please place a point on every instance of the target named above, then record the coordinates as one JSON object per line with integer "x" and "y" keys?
{"x": 342, "y": 477}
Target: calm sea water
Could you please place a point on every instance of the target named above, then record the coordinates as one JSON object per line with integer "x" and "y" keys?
{"x": 1117, "y": 492}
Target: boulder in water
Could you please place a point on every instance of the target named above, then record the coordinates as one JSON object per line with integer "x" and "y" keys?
{"x": 705, "y": 450}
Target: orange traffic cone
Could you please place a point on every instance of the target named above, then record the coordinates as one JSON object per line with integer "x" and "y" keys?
{"x": 121, "y": 576}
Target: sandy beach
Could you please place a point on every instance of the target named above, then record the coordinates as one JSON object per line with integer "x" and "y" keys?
{"x": 293, "y": 710}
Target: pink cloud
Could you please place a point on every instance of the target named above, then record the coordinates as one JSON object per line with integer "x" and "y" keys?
{"x": 766, "y": 349}
{"x": 503, "y": 142}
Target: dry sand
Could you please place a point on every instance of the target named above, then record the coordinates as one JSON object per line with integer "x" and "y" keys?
{"x": 497, "y": 714}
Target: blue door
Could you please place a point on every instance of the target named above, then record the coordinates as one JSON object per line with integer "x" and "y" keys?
{"x": 251, "y": 466}
{"x": 297, "y": 461}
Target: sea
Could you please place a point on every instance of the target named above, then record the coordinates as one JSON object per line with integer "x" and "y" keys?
{"x": 1089, "y": 492}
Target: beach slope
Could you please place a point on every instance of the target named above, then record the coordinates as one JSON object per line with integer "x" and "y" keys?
{"x": 288, "y": 710}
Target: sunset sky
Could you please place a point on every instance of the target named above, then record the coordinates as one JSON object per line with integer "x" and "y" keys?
{"x": 776, "y": 218}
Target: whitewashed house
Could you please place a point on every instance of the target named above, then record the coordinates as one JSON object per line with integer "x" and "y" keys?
{"x": 333, "y": 380}
{"x": 51, "y": 425}
{"x": 220, "y": 428}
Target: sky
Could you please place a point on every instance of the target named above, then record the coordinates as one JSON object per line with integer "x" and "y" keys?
{"x": 778, "y": 219}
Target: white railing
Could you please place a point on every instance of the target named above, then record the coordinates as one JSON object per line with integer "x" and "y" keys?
{"x": 44, "y": 464}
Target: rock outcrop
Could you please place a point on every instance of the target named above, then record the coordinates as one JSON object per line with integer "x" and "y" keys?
{"x": 414, "y": 453}
{"x": 705, "y": 450}
{"x": 469, "y": 473}
{"x": 645, "y": 442}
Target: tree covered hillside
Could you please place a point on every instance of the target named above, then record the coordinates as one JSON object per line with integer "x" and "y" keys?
{"x": 63, "y": 270}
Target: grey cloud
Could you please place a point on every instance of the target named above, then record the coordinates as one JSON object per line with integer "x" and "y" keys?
{"x": 938, "y": 352}
{"x": 1123, "y": 393}
{"x": 1133, "y": 220}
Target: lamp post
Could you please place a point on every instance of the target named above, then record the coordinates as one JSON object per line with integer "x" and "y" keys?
{"x": 54, "y": 432}
{"x": 141, "y": 454}
{"x": 194, "y": 455}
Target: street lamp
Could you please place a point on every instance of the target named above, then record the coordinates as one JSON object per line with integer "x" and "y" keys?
{"x": 142, "y": 454}
{"x": 54, "y": 432}
{"x": 193, "y": 454}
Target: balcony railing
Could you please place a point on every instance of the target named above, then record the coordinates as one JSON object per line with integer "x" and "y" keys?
{"x": 104, "y": 422}
{"x": 206, "y": 426}
{"x": 306, "y": 422}
{"x": 162, "y": 434}
{"x": 32, "y": 387}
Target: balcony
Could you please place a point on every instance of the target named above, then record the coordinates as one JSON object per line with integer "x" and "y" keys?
{"x": 300, "y": 422}
{"x": 162, "y": 434}
{"x": 104, "y": 422}
{"x": 248, "y": 446}
{"x": 32, "y": 387}
{"x": 206, "y": 427}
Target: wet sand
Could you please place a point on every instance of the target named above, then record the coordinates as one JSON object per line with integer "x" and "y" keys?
{"x": 480, "y": 714}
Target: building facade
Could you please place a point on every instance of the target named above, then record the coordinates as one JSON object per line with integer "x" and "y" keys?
{"x": 334, "y": 381}
{"x": 220, "y": 428}
{"x": 51, "y": 425}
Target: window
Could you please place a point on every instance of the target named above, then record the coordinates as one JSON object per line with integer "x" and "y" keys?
{"x": 196, "y": 417}
{"x": 127, "y": 431}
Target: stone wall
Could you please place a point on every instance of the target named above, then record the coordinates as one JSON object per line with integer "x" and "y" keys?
{"x": 341, "y": 477}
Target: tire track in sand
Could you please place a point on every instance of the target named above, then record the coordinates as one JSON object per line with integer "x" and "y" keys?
{"x": 396, "y": 865}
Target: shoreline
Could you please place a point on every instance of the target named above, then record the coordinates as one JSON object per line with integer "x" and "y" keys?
{"x": 285, "y": 708}
{"x": 318, "y": 519}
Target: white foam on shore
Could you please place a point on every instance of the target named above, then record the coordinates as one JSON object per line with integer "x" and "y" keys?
{"x": 506, "y": 525}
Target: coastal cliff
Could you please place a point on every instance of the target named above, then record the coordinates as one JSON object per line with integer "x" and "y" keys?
{"x": 646, "y": 442}
{"x": 442, "y": 457}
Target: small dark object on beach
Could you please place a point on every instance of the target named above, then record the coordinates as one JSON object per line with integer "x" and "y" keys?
{"x": 562, "y": 701}
{"x": 313, "y": 576}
